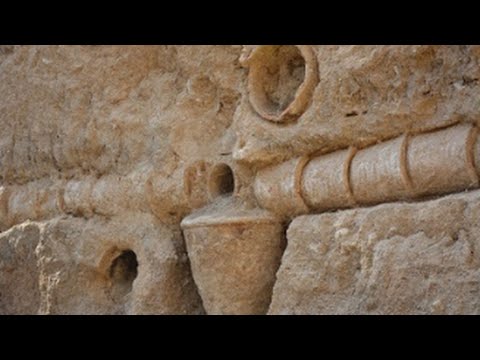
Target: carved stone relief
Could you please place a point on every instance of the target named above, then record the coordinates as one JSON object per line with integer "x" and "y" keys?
{"x": 220, "y": 179}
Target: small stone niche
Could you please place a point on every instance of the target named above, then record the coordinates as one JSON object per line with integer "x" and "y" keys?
{"x": 122, "y": 273}
{"x": 221, "y": 181}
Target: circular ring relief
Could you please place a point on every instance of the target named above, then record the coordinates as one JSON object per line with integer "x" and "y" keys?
{"x": 281, "y": 80}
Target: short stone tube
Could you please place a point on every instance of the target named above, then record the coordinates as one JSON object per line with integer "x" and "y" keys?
{"x": 325, "y": 181}
{"x": 278, "y": 188}
{"x": 443, "y": 161}
{"x": 379, "y": 173}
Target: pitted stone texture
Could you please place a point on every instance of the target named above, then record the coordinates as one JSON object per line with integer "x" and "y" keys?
{"x": 64, "y": 266}
{"x": 419, "y": 258}
{"x": 68, "y": 111}
{"x": 367, "y": 94}
{"x": 19, "y": 270}
{"x": 95, "y": 142}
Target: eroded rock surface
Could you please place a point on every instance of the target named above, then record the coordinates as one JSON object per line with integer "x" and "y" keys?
{"x": 131, "y": 178}
{"x": 390, "y": 259}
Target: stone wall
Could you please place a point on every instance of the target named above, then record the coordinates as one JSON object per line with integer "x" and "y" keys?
{"x": 239, "y": 179}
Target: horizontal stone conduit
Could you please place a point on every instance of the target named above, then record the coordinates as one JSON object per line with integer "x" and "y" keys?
{"x": 404, "y": 168}
{"x": 106, "y": 196}
{"x": 45, "y": 199}
{"x": 408, "y": 167}
{"x": 144, "y": 190}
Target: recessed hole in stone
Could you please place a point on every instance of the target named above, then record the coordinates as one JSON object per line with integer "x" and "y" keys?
{"x": 122, "y": 273}
{"x": 281, "y": 80}
{"x": 221, "y": 181}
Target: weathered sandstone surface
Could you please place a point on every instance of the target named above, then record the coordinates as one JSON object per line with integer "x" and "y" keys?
{"x": 239, "y": 179}
{"x": 390, "y": 259}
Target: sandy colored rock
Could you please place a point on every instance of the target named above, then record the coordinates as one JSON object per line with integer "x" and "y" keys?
{"x": 325, "y": 182}
{"x": 133, "y": 178}
{"x": 76, "y": 259}
{"x": 281, "y": 80}
{"x": 278, "y": 188}
{"x": 443, "y": 160}
{"x": 235, "y": 254}
{"x": 19, "y": 270}
{"x": 96, "y": 139}
{"x": 75, "y": 266}
{"x": 380, "y": 173}
{"x": 390, "y": 259}
{"x": 408, "y": 167}
{"x": 368, "y": 94}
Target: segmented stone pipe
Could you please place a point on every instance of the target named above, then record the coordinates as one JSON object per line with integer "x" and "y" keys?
{"x": 443, "y": 161}
{"x": 279, "y": 187}
{"x": 330, "y": 174}
{"x": 45, "y": 199}
{"x": 168, "y": 196}
{"x": 408, "y": 167}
